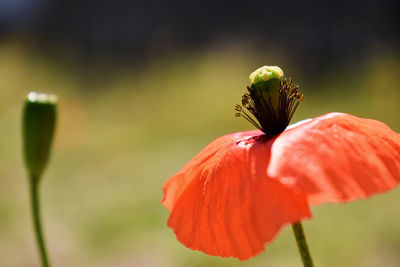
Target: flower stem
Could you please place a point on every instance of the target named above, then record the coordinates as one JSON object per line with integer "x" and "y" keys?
{"x": 302, "y": 245}
{"x": 34, "y": 190}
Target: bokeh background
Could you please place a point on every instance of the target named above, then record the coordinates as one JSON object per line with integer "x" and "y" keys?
{"x": 144, "y": 85}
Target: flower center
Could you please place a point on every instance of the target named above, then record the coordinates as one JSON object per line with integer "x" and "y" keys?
{"x": 270, "y": 104}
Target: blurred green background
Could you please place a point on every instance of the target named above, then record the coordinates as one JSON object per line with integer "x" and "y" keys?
{"x": 126, "y": 125}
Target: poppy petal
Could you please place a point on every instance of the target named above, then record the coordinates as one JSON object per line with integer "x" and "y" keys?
{"x": 337, "y": 157}
{"x": 178, "y": 183}
{"x": 224, "y": 204}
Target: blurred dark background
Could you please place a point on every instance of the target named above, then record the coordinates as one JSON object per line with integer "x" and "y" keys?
{"x": 318, "y": 34}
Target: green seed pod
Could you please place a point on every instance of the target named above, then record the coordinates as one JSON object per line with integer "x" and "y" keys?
{"x": 271, "y": 100}
{"x": 265, "y": 73}
{"x": 268, "y": 90}
{"x": 39, "y": 120}
{"x": 266, "y": 82}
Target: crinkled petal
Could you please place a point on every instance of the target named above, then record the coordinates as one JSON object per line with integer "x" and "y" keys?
{"x": 337, "y": 157}
{"x": 177, "y": 184}
{"x": 224, "y": 204}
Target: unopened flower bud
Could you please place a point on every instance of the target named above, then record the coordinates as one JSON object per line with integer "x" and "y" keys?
{"x": 39, "y": 120}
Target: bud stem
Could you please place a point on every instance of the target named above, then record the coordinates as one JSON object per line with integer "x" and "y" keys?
{"x": 34, "y": 192}
{"x": 302, "y": 244}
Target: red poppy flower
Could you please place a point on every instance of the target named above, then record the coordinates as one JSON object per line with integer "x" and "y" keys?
{"x": 234, "y": 196}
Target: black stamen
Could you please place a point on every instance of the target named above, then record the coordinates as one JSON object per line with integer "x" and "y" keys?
{"x": 271, "y": 119}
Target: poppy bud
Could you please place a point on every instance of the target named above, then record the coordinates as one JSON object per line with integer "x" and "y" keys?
{"x": 39, "y": 119}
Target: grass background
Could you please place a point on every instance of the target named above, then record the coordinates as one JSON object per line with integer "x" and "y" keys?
{"x": 123, "y": 131}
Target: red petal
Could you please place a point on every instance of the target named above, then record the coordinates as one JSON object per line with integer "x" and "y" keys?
{"x": 222, "y": 202}
{"x": 178, "y": 183}
{"x": 337, "y": 157}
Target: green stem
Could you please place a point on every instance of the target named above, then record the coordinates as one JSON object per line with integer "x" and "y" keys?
{"x": 34, "y": 188}
{"x": 302, "y": 245}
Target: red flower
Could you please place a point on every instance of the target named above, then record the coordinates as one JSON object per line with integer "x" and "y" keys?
{"x": 234, "y": 196}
